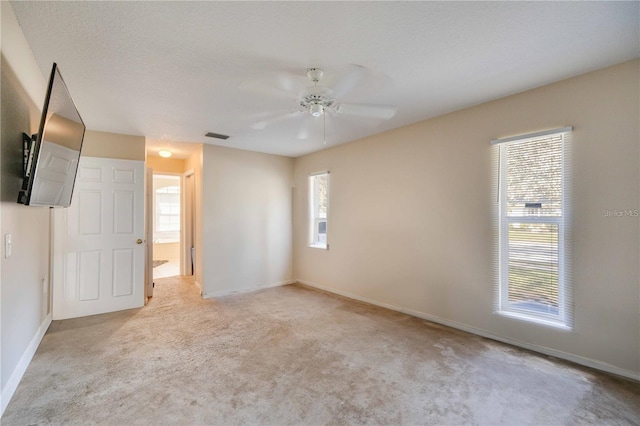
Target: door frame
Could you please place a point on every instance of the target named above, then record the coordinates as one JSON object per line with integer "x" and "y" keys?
{"x": 148, "y": 233}
{"x": 187, "y": 222}
{"x": 153, "y": 212}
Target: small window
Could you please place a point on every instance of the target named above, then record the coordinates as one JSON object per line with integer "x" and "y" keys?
{"x": 318, "y": 209}
{"x": 534, "y": 259}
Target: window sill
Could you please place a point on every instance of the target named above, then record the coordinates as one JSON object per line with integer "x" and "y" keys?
{"x": 319, "y": 246}
{"x": 535, "y": 320}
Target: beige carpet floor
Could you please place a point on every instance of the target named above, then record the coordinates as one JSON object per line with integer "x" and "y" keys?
{"x": 293, "y": 355}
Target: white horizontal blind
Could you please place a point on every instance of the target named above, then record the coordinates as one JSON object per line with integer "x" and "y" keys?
{"x": 534, "y": 177}
{"x": 534, "y": 267}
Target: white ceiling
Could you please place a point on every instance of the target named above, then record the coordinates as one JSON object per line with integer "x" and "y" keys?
{"x": 177, "y": 70}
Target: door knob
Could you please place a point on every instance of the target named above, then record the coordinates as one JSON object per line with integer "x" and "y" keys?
{"x": 138, "y": 241}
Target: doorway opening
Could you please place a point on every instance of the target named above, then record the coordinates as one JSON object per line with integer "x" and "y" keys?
{"x": 166, "y": 225}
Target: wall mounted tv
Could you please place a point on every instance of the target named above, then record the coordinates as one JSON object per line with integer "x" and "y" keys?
{"x": 50, "y": 160}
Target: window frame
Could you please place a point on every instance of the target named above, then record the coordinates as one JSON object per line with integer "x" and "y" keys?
{"x": 313, "y": 221}
{"x": 564, "y": 318}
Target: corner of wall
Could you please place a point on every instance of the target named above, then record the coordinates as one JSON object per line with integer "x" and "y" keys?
{"x": 21, "y": 368}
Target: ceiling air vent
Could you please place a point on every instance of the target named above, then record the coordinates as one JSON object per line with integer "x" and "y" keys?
{"x": 216, "y": 135}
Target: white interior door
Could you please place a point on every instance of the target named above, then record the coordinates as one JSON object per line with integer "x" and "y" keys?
{"x": 99, "y": 255}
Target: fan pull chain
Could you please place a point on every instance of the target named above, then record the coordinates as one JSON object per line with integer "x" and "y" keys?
{"x": 324, "y": 128}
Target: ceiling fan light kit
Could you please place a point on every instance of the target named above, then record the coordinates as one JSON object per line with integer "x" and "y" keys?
{"x": 316, "y": 110}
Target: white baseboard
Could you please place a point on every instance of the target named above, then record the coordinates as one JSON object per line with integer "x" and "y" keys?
{"x": 598, "y": 365}
{"x": 246, "y": 290}
{"x": 24, "y": 362}
{"x": 199, "y": 286}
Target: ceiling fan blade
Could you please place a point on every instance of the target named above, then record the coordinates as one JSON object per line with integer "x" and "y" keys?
{"x": 260, "y": 125}
{"x": 348, "y": 81}
{"x": 290, "y": 83}
{"x": 382, "y": 112}
{"x": 283, "y": 86}
{"x": 305, "y": 128}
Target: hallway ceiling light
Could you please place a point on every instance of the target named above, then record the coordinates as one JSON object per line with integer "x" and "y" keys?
{"x": 165, "y": 153}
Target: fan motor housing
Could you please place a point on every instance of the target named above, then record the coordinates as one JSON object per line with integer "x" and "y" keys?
{"x": 316, "y": 95}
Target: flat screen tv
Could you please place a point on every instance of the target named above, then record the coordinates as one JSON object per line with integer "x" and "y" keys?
{"x": 51, "y": 156}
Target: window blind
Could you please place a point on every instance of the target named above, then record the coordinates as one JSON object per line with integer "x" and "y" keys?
{"x": 534, "y": 177}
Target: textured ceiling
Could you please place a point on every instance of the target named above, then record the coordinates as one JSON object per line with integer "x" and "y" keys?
{"x": 177, "y": 70}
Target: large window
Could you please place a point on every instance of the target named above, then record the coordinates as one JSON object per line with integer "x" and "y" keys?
{"x": 318, "y": 208}
{"x": 534, "y": 257}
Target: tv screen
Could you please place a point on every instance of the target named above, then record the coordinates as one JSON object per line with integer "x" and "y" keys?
{"x": 51, "y": 159}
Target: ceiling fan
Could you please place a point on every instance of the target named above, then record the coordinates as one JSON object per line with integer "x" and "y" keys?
{"x": 316, "y": 99}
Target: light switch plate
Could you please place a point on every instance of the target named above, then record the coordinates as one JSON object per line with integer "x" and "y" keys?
{"x": 7, "y": 245}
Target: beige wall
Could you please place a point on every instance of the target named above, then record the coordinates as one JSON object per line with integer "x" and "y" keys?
{"x": 411, "y": 212}
{"x": 246, "y": 220}
{"x": 166, "y": 251}
{"x": 113, "y": 145}
{"x": 166, "y": 165}
{"x": 24, "y": 300}
{"x": 24, "y": 304}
